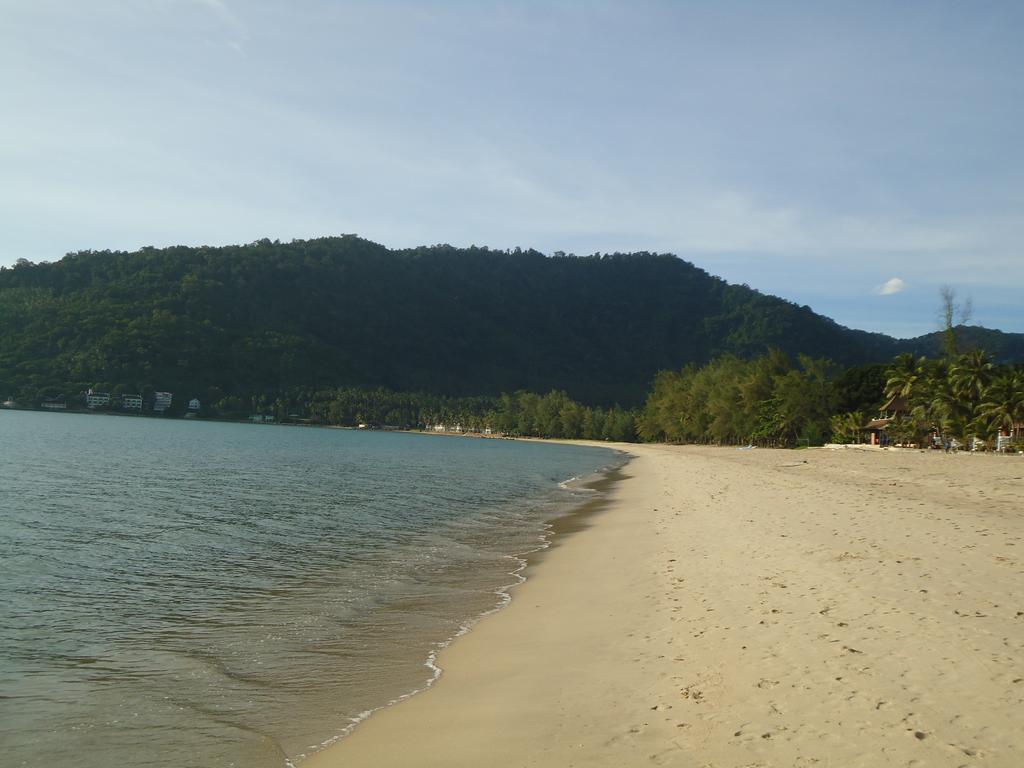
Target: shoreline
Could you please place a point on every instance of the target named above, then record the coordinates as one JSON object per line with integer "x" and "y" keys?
{"x": 561, "y": 531}
{"x": 745, "y": 608}
{"x": 554, "y": 531}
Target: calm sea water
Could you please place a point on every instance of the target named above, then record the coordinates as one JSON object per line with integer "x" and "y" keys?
{"x": 188, "y": 593}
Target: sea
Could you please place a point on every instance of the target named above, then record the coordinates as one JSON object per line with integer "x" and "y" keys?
{"x": 193, "y": 593}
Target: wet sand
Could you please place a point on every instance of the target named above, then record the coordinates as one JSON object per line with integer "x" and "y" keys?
{"x": 748, "y": 608}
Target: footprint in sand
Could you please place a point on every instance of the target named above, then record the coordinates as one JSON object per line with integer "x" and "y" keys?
{"x": 693, "y": 694}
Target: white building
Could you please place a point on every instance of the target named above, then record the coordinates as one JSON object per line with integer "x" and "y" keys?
{"x": 193, "y": 404}
{"x": 131, "y": 402}
{"x": 97, "y": 399}
{"x": 161, "y": 401}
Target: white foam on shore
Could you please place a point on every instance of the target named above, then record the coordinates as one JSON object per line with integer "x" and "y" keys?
{"x": 504, "y": 598}
{"x": 504, "y": 595}
{"x": 583, "y": 483}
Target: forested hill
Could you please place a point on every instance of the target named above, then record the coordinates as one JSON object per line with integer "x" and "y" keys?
{"x": 269, "y": 316}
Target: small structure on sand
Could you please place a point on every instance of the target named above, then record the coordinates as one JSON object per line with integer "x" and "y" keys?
{"x": 895, "y": 407}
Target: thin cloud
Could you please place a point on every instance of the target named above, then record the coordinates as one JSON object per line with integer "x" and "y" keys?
{"x": 220, "y": 9}
{"x": 891, "y": 286}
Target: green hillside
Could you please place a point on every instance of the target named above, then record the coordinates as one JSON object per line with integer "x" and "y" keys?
{"x": 269, "y": 317}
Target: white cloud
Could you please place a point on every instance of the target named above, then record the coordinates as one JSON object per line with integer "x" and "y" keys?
{"x": 891, "y": 286}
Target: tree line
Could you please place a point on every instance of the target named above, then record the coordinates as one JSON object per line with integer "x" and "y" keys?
{"x": 772, "y": 401}
{"x": 768, "y": 401}
{"x": 518, "y": 414}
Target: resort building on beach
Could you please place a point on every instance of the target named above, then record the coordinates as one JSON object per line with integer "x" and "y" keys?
{"x": 1006, "y": 438}
{"x": 97, "y": 399}
{"x": 161, "y": 401}
{"x": 54, "y": 404}
{"x": 892, "y": 410}
{"x": 131, "y": 402}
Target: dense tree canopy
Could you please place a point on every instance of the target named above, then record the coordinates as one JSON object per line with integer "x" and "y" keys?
{"x": 963, "y": 397}
{"x": 520, "y": 414}
{"x": 267, "y": 318}
{"x": 767, "y": 401}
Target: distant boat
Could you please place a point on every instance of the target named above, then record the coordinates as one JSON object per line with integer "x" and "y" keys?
{"x": 9, "y": 404}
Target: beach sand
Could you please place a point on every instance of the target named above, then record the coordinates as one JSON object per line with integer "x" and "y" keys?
{"x": 748, "y": 608}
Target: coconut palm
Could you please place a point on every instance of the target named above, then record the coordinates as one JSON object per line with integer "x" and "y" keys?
{"x": 848, "y": 427}
{"x": 945, "y": 410}
{"x": 1003, "y": 403}
{"x": 970, "y": 374}
{"x": 903, "y": 376}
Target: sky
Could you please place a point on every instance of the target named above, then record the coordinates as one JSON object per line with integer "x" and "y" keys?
{"x": 852, "y": 156}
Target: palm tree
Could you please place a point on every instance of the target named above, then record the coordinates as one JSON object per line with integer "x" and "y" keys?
{"x": 848, "y": 427}
{"x": 903, "y": 376}
{"x": 1003, "y": 403}
{"x": 945, "y": 410}
{"x": 970, "y": 374}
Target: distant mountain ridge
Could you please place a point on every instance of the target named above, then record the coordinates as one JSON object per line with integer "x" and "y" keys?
{"x": 1003, "y": 347}
{"x": 344, "y": 311}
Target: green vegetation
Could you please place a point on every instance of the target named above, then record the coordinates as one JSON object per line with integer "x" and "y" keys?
{"x": 344, "y": 331}
{"x": 522, "y": 414}
{"x": 771, "y": 402}
{"x": 766, "y": 401}
{"x": 964, "y": 397}
{"x": 556, "y": 415}
{"x": 264, "y": 321}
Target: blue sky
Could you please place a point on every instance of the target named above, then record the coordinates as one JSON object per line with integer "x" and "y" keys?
{"x": 815, "y": 150}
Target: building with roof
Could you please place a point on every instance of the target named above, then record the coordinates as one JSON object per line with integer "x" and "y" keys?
{"x": 161, "y": 401}
{"x": 96, "y": 399}
{"x": 893, "y": 409}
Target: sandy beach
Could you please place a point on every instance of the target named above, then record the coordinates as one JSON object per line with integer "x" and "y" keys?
{"x": 748, "y": 608}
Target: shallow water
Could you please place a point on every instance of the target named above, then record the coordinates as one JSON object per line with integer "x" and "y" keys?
{"x": 192, "y": 593}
